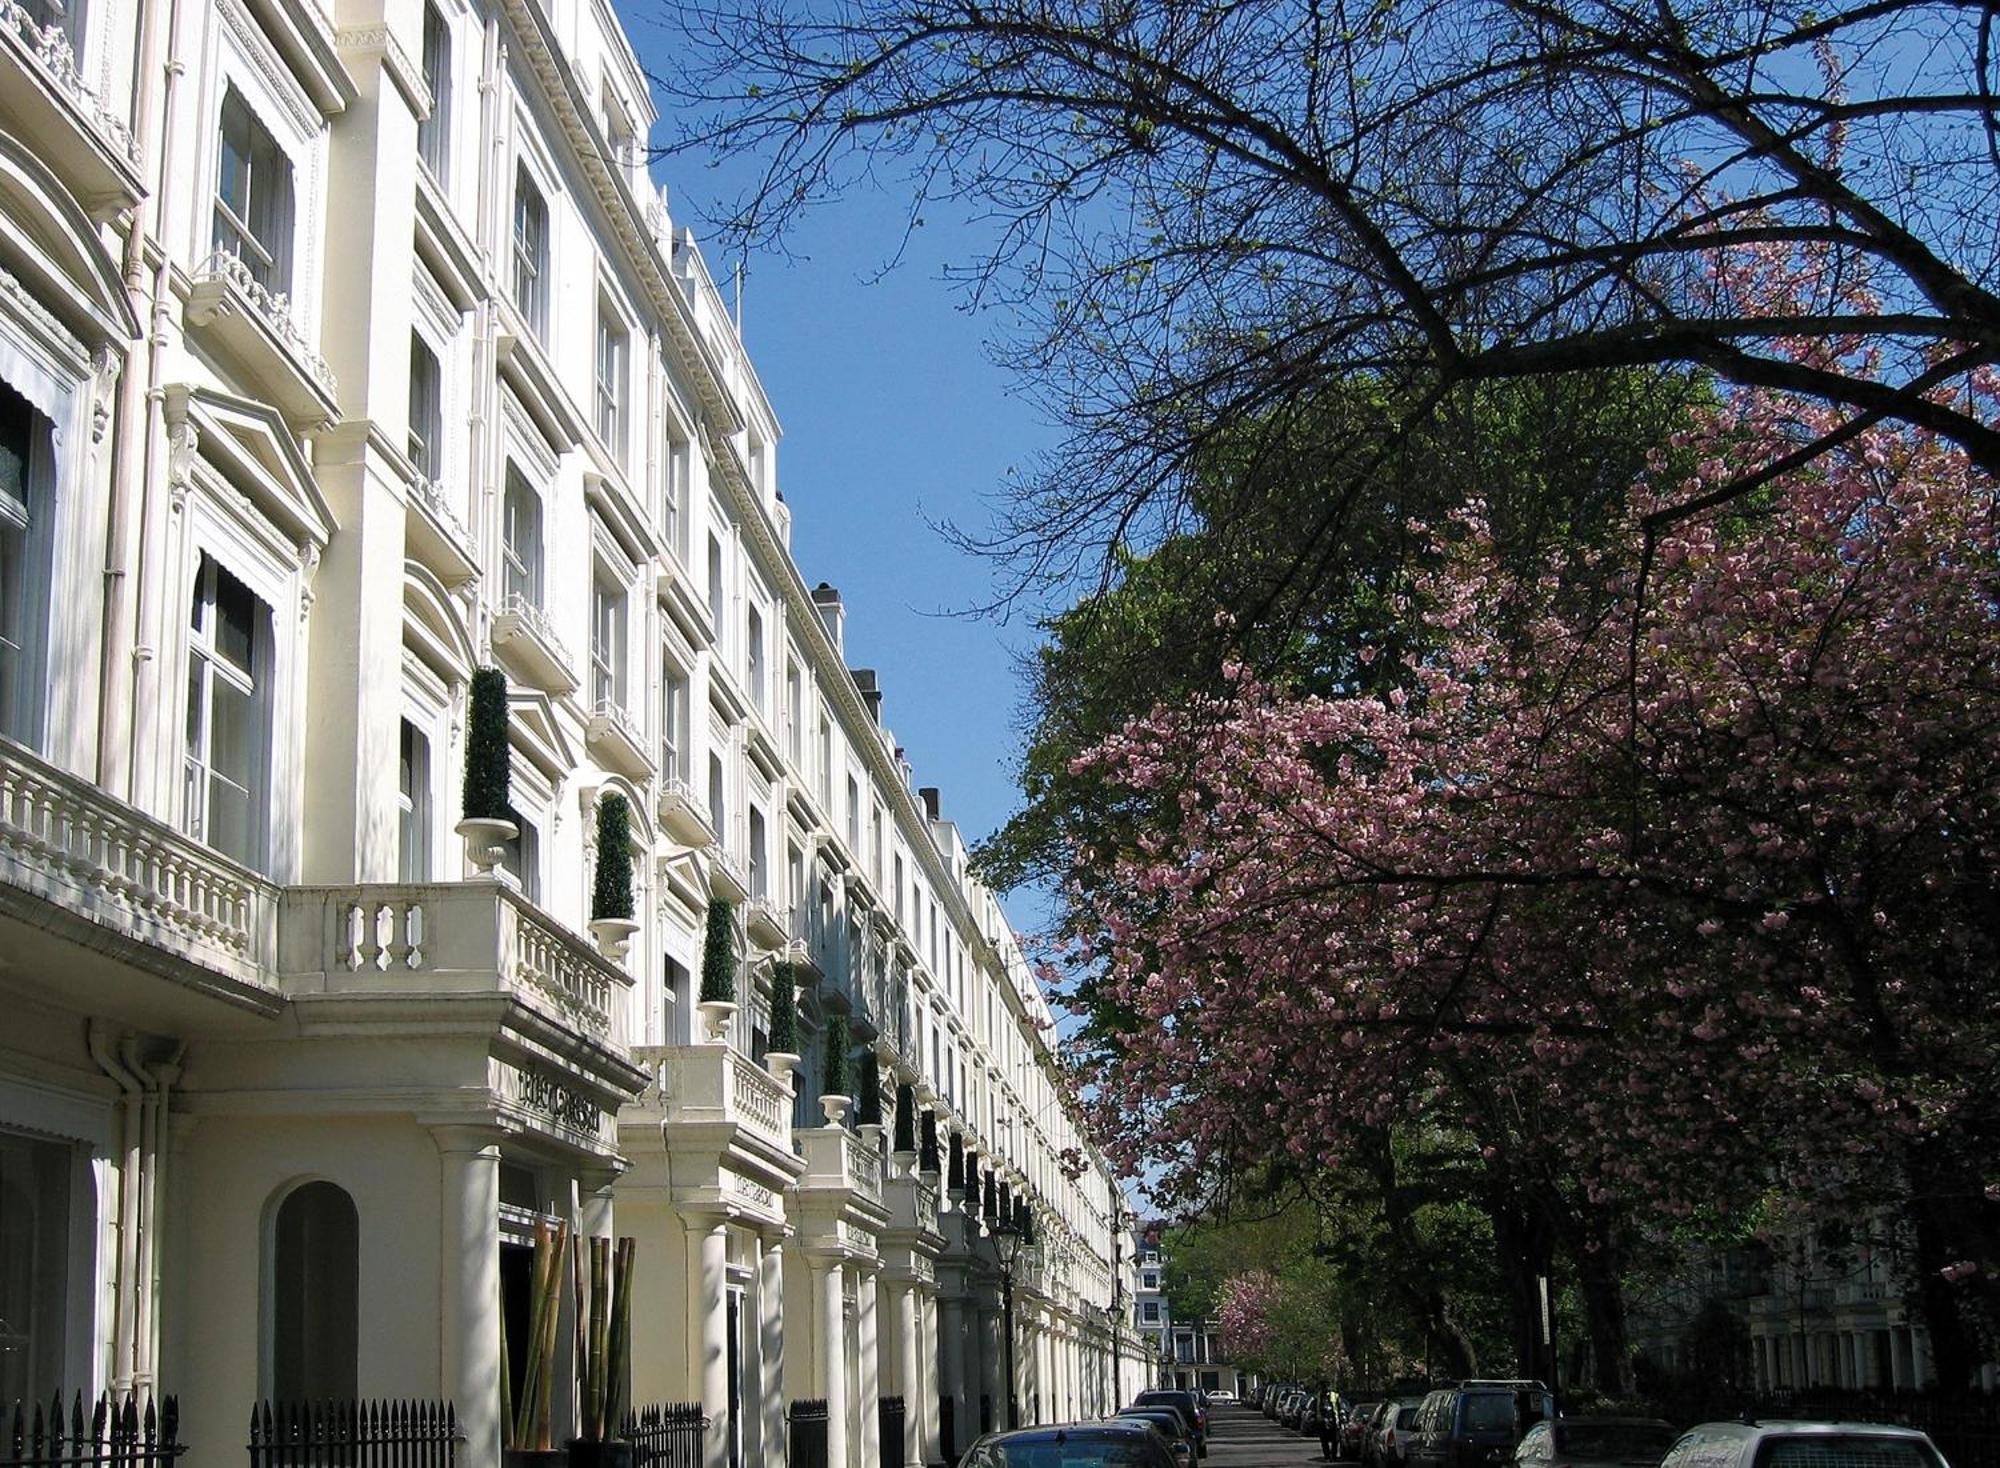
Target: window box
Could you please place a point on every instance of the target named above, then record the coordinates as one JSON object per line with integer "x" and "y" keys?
{"x": 682, "y": 814}
{"x": 523, "y": 634}
{"x": 44, "y": 94}
{"x": 617, "y": 741}
{"x": 257, "y": 329}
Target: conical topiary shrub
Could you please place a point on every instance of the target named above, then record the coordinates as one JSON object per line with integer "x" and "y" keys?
{"x": 718, "y": 954}
{"x": 611, "y": 895}
{"x": 488, "y": 788}
{"x": 868, "y": 1091}
{"x": 906, "y": 1117}
{"x": 929, "y": 1161}
{"x": 784, "y": 1010}
{"x": 955, "y": 1177}
{"x": 834, "y": 1078}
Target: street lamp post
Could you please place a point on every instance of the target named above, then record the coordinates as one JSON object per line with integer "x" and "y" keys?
{"x": 1007, "y": 1245}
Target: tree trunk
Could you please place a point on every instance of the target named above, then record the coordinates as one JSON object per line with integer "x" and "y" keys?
{"x": 1523, "y": 1254}
{"x": 1603, "y": 1292}
{"x": 1954, "y": 1224}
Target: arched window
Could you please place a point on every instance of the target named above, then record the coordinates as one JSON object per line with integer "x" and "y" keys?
{"x": 315, "y": 1305}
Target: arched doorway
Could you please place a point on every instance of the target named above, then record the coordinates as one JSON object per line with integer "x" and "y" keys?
{"x": 314, "y": 1310}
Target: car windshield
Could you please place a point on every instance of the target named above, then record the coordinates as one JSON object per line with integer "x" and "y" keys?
{"x": 1489, "y": 1412}
{"x": 1614, "y": 1439}
{"x": 1166, "y": 1419}
{"x": 1857, "y": 1450}
{"x": 1103, "y": 1450}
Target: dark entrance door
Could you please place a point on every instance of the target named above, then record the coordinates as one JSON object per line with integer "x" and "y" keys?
{"x": 733, "y": 1344}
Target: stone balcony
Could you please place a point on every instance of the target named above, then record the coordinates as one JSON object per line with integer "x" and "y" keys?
{"x": 615, "y": 738}
{"x": 839, "y": 1161}
{"x": 718, "y": 1087}
{"x": 444, "y": 940}
{"x": 44, "y": 94}
{"x": 725, "y": 1122}
{"x": 108, "y": 896}
{"x": 526, "y": 637}
{"x": 258, "y": 329}
{"x": 769, "y": 926}
{"x": 681, "y": 812}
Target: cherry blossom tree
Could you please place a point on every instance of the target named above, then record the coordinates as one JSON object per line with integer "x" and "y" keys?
{"x": 1671, "y": 893}
{"x": 1243, "y": 1315}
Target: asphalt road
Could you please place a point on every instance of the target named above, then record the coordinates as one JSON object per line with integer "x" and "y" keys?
{"x": 1241, "y": 1438}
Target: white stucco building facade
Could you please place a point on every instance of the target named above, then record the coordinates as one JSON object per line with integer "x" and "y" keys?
{"x": 346, "y": 349}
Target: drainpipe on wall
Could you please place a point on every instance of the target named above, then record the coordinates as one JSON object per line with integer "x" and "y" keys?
{"x": 129, "y": 457}
{"x": 144, "y": 668}
{"x": 129, "y": 1146}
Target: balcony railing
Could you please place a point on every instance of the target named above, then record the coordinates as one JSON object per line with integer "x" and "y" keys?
{"x": 467, "y": 937}
{"x": 865, "y": 1166}
{"x": 66, "y": 842}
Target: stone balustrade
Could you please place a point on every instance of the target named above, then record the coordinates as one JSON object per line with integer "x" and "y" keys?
{"x": 66, "y": 842}
{"x": 443, "y": 938}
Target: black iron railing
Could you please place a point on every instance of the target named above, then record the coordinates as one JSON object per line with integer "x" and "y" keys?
{"x": 668, "y": 1435}
{"x": 889, "y": 1422}
{"x": 806, "y": 1433}
{"x": 333, "y": 1434}
{"x": 126, "y": 1435}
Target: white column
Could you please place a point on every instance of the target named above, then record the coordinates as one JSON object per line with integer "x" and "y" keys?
{"x": 995, "y": 1375}
{"x": 767, "y": 1443}
{"x": 909, "y": 1375}
{"x": 951, "y": 1312}
{"x": 833, "y": 1360}
{"x": 470, "y": 1304}
{"x": 868, "y": 1391}
{"x": 927, "y": 1374}
{"x": 708, "y": 1251}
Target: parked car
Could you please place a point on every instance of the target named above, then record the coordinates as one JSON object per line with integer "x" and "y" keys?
{"x": 1076, "y": 1445}
{"x": 1386, "y": 1444}
{"x": 1595, "y": 1442}
{"x": 1788, "y": 1444}
{"x": 1225, "y": 1397}
{"x": 1291, "y": 1408}
{"x": 1171, "y": 1425}
{"x": 1191, "y": 1408}
{"x": 1476, "y": 1423}
{"x": 1354, "y": 1430}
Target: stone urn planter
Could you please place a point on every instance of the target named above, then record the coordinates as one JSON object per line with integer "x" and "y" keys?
{"x": 715, "y": 1017}
{"x": 613, "y": 937}
{"x": 486, "y": 839}
{"x": 835, "y": 1108}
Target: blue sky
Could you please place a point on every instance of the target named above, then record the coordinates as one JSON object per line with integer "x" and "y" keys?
{"x": 894, "y": 419}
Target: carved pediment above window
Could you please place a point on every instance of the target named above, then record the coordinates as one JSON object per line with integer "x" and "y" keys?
{"x": 251, "y": 446}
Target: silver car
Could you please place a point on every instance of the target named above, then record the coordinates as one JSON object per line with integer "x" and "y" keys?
{"x": 1802, "y": 1445}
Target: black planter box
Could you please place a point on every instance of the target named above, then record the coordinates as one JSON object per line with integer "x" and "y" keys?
{"x": 608, "y": 1453}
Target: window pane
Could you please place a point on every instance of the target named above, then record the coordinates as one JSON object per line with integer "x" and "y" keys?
{"x": 232, "y": 754}
{"x": 235, "y": 620}
{"x": 413, "y": 805}
{"x": 434, "y": 132}
{"x": 426, "y": 409}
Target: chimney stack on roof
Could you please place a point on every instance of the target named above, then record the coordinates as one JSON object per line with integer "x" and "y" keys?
{"x": 929, "y": 796}
{"x": 871, "y": 692}
{"x": 832, "y": 615}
